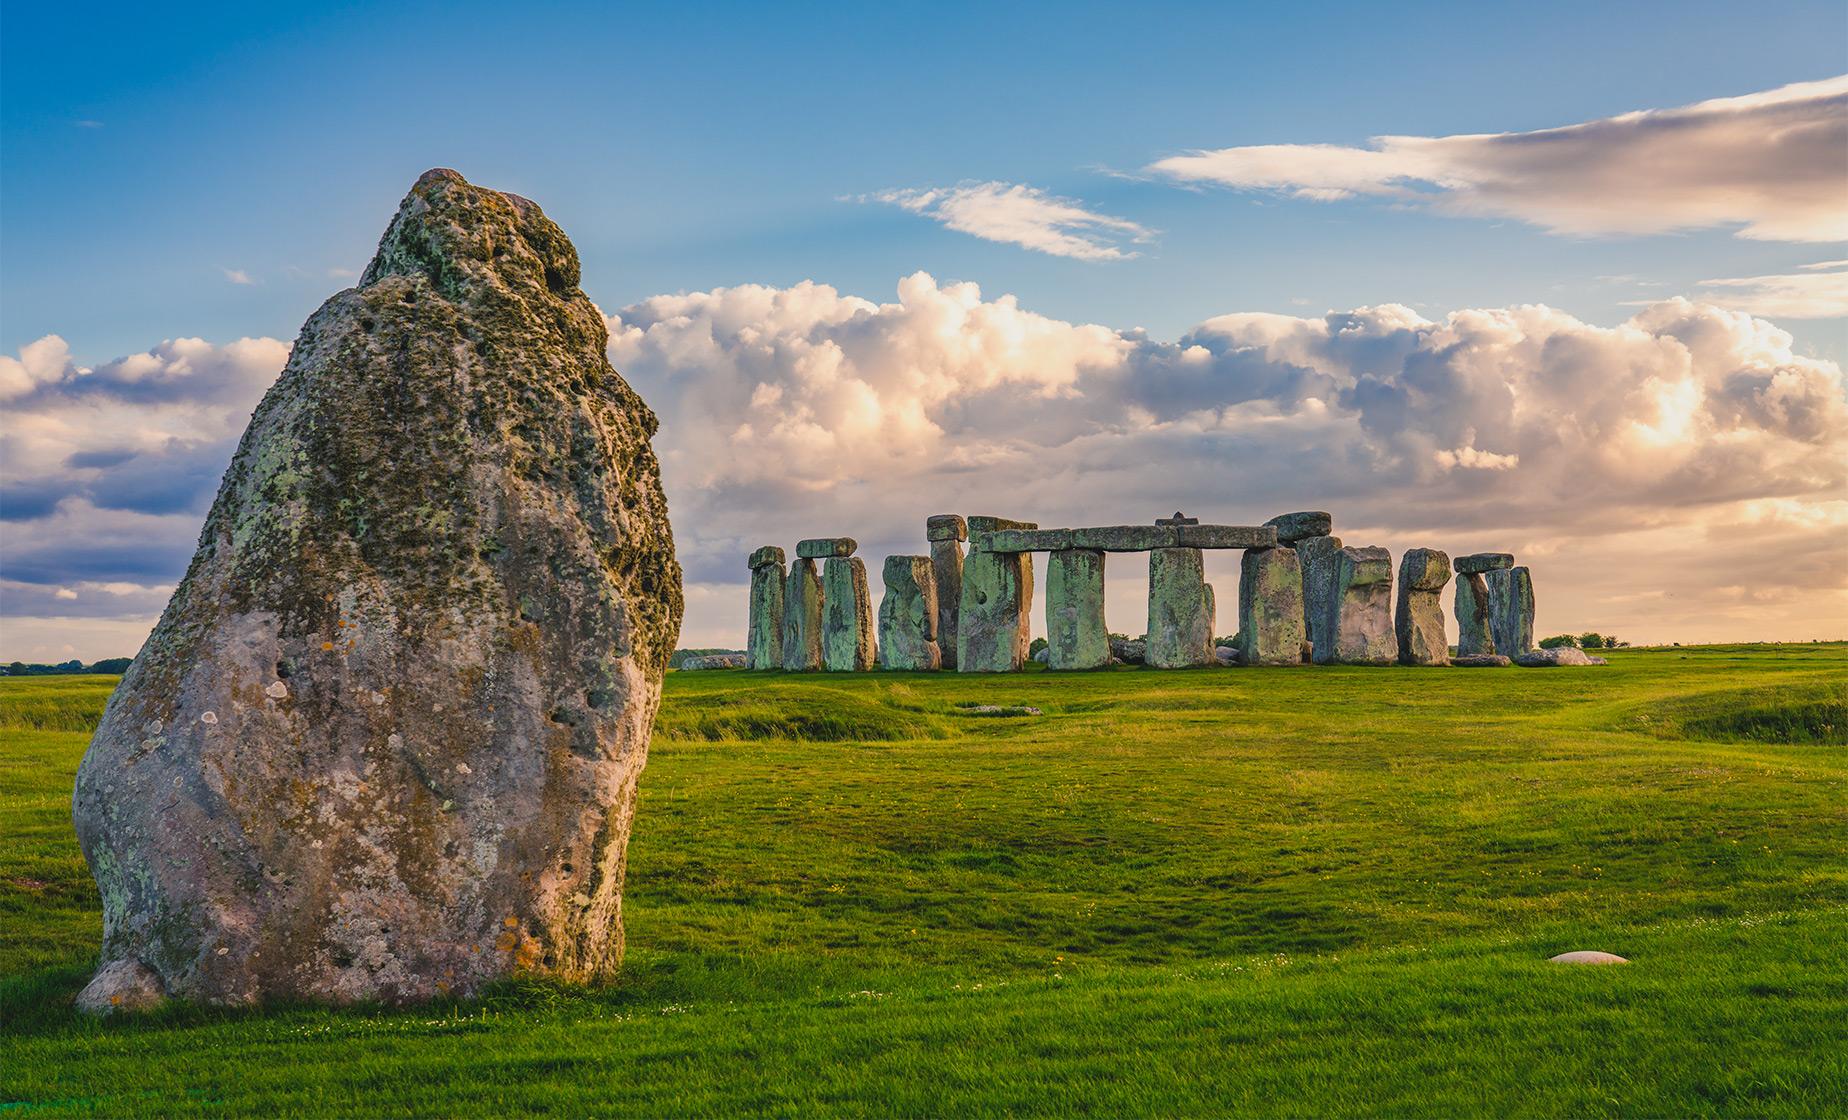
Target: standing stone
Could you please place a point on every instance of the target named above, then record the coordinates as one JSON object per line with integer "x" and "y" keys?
{"x": 1270, "y": 607}
{"x": 947, "y": 531}
{"x": 994, "y": 620}
{"x": 764, "y": 644}
{"x": 383, "y": 744}
{"x": 1293, "y": 527}
{"x": 847, "y": 644}
{"x": 1075, "y": 633}
{"x": 1317, "y": 556}
{"x": 908, "y": 616}
{"x": 802, "y": 603}
{"x": 1474, "y": 637}
{"x": 1358, "y": 622}
{"x": 1180, "y": 627}
{"x": 1511, "y": 610}
{"x": 1418, "y": 619}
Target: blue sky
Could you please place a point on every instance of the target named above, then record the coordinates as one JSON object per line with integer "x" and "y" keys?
{"x": 1099, "y": 262}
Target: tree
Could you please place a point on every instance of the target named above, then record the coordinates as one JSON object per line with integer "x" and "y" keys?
{"x": 1558, "y": 640}
{"x": 1591, "y": 639}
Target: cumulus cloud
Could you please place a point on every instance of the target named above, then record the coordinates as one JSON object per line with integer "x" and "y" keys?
{"x": 1017, "y": 214}
{"x": 237, "y": 276}
{"x": 1819, "y": 291}
{"x": 1769, "y": 164}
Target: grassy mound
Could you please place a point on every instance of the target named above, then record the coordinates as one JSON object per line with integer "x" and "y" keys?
{"x": 1811, "y": 713}
{"x": 800, "y": 713}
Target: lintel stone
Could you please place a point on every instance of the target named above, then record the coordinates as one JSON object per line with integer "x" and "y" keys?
{"x": 824, "y": 548}
{"x": 1293, "y": 527}
{"x": 1226, "y": 536}
{"x": 946, "y": 527}
{"x": 1484, "y": 562}
{"x": 766, "y": 556}
{"x": 991, "y": 524}
{"x": 1023, "y": 540}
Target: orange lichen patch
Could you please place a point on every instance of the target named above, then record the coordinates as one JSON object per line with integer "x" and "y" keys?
{"x": 510, "y": 923}
{"x": 442, "y": 986}
{"x": 506, "y": 942}
{"x": 325, "y": 646}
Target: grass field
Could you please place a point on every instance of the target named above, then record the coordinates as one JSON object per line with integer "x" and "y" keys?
{"x": 1304, "y": 892}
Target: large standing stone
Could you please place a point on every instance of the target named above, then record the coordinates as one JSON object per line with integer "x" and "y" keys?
{"x": 1511, "y": 610}
{"x": 1270, "y": 607}
{"x": 1075, "y": 633}
{"x": 1317, "y": 556}
{"x": 1180, "y": 627}
{"x": 383, "y": 743}
{"x": 1418, "y": 619}
{"x": 947, "y": 531}
{"x": 908, "y": 616}
{"x": 994, "y": 620}
{"x": 1474, "y": 636}
{"x": 847, "y": 644}
{"x": 764, "y": 644}
{"x": 1293, "y": 527}
{"x": 1358, "y": 622}
{"x": 802, "y": 605}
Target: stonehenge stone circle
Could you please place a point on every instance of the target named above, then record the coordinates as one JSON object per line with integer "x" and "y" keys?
{"x": 993, "y": 623}
{"x": 383, "y": 743}
{"x": 847, "y": 642}
{"x": 946, "y": 532}
{"x": 1076, "y": 637}
{"x": 802, "y": 601}
{"x": 764, "y": 649}
{"x": 1359, "y": 619}
{"x": 908, "y": 616}
{"x": 1293, "y": 527}
{"x": 1418, "y": 619}
{"x": 1511, "y": 610}
{"x": 1180, "y": 634}
{"x": 1316, "y": 557}
{"x": 1270, "y": 607}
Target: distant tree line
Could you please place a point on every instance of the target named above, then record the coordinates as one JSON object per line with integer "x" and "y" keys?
{"x": 37, "y": 669}
{"x": 1590, "y": 639}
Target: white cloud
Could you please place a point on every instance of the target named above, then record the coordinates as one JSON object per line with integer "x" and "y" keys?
{"x": 1768, "y": 163}
{"x": 237, "y": 276}
{"x": 1820, "y": 291}
{"x": 1017, "y": 214}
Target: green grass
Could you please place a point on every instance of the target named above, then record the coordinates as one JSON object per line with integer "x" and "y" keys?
{"x": 1308, "y": 892}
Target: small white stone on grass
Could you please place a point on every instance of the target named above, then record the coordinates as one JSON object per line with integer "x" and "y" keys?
{"x": 1588, "y": 956}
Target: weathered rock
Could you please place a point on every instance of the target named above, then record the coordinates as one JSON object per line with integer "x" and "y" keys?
{"x": 826, "y": 548}
{"x": 1552, "y": 658}
{"x": 1225, "y": 536}
{"x": 847, "y": 639}
{"x": 1293, "y": 527}
{"x": 1358, "y": 621}
{"x": 1511, "y": 610}
{"x": 1418, "y": 619}
{"x": 946, "y": 527}
{"x": 1316, "y": 557}
{"x": 715, "y": 661}
{"x": 1023, "y": 540}
{"x": 1043, "y": 655}
{"x": 1227, "y": 656}
{"x": 1479, "y": 562}
{"x": 993, "y": 621}
{"x": 1075, "y": 633}
{"x": 1129, "y": 651}
{"x": 946, "y": 563}
{"x": 1474, "y": 635}
{"x": 908, "y": 616}
{"x": 764, "y": 638}
{"x": 1588, "y": 956}
{"x": 802, "y": 609}
{"x": 1270, "y": 607}
{"x": 1480, "y": 661}
{"x": 985, "y": 524}
{"x": 1179, "y": 518}
{"x": 1180, "y": 629}
{"x": 1125, "y": 538}
{"x": 383, "y": 743}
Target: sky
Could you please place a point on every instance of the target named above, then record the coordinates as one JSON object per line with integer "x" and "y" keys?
{"x": 1568, "y": 281}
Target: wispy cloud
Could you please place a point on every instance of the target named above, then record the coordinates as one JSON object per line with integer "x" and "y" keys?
{"x": 88, "y": 124}
{"x": 1768, "y": 163}
{"x": 237, "y": 276}
{"x": 1018, "y": 214}
{"x": 1820, "y": 291}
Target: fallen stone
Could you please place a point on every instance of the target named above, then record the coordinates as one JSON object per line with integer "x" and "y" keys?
{"x": 1552, "y": 658}
{"x": 1418, "y": 618}
{"x": 1474, "y": 635}
{"x": 946, "y": 564}
{"x": 1075, "y": 633}
{"x": 1129, "y": 651}
{"x": 1226, "y": 655}
{"x": 1480, "y": 661}
{"x": 847, "y": 639}
{"x": 1180, "y": 629}
{"x": 1359, "y": 618}
{"x": 802, "y": 602}
{"x": 715, "y": 661}
{"x": 946, "y": 527}
{"x": 1044, "y": 656}
{"x": 908, "y": 616}
{"x": 993, "y": 620}
{"x": 445, "y": 528}
{"x": 1316, "y": 557}
{"x": 1588, "y": 956}
{"x": 826, "y": 548}
{"x": 1478, "y": 562}
{"x": 764, "y": 638}
{"x": 1270, "y": 607}
{"x": 1293, "y": 527}
{"x": 1511, "y": 610}
{"x": 1595, "y": 659}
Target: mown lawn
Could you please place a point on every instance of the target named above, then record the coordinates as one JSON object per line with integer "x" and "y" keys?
{"x": 1305, "y": 892}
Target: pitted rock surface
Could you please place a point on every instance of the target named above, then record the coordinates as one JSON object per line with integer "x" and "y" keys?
{"x": 383, "y": 743}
